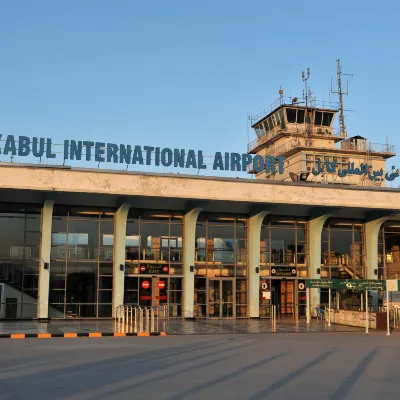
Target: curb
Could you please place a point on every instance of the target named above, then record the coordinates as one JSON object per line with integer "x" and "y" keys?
{"x": 70, "y": 335}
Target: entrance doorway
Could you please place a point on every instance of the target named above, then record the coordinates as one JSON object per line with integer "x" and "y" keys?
{"x": 283, "y": 296}
{"x": 221, "y": 303}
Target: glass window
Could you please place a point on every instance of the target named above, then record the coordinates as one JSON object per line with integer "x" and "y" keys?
{"x": 271, "y": 122}
{"x": 300, "y": 116}
{"x": 318, "y": 118}
{"x": 343, "y": 248}
{"x": 259, "y": 131}
{"x": 291, "y": 115}
{"x": 221, "y": 245}
{"x": 327, "y": 119}
{"x": 266, "y": 126}
{"x": 87, "y": 269}
{"x": 284, "y": 241}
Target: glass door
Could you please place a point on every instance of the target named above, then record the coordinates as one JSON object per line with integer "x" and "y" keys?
{"x": 214, "y": 298}
{"x": 227, "y": 298}
{"x": 221, "y": 298}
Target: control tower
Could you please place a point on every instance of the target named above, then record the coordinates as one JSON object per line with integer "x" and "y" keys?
{"x": 314, "y": 149}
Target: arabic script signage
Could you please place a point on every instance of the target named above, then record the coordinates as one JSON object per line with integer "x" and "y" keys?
{"x": 332, "y": 168}
{"x": 283, "y": 271}
{"x": 350, "y": 284}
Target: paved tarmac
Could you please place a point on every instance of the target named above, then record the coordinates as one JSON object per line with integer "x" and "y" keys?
{"x": 280, "y": 366}
{"x": 178, "y": 327}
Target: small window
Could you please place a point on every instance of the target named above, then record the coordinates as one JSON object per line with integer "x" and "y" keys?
{"x": 318, "y": 118}
{"x": 266, "y": 126}
{"x": 277, "y": 118}
{"x": 300, "y": 116}
{"x": 281, "y": 117}
{"x": 132, "y": 241}
{"x": 327, "y": 119}
{"x": 271, "y": 122}
{"x": 108, "y": 240}
{"x": 259, "y": 131}
{"x": 291, "y": 115}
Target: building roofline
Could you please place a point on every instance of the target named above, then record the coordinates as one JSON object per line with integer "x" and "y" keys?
{"x": 199, "y": 177}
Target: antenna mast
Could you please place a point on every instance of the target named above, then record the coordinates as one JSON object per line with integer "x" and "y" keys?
{"x": 340, "y": 92}
{"x": 305, "y": 79}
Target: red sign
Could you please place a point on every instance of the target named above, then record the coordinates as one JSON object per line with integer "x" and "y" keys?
{"x": 142, "y": 268}
{"x": 145, "y": 284}
{"x": 161, "y": 285}
{"x": 165, "y": 269}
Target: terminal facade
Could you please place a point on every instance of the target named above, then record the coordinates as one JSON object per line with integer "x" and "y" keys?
{"x": 77, "y": 243}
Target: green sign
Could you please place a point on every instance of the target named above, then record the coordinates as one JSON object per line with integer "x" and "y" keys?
{"x": 360, "y": 284}
{"x": 351, "y": 284}
{"x": 319, "y": 283}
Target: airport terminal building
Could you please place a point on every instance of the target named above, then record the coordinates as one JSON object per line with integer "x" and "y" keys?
{"x": 78, "y": 242}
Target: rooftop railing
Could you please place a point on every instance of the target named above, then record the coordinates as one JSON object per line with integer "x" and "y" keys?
{"x": 298, "y": 129}
{"x": 327, "y": 105}
{"x": 368, "y": 146}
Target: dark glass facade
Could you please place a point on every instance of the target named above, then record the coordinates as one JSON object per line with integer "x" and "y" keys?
{"x": 81, "y": 274}
{"x": 343, "y": 249}
{"x": 284, "y": 242}
{"x": 389, "y": 251}
{"x": 154, "y": 257}
{"x": 221, "y": 266}
{"x": 19, "y": 260}
{"x": 283, "y": 254}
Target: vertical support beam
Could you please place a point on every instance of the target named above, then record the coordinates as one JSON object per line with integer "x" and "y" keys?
{"x": 255, "y": 222}
{"x": 372, "y": 228}
{"x": 371, "y": 246}
{"x": 119, "y": 256}
{"x": 189, "y": 242}
{"x": 45, "y": 253}
{"x": 315, "y": 233}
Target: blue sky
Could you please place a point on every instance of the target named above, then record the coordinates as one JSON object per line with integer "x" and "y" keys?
{"x": 185, "y": 74}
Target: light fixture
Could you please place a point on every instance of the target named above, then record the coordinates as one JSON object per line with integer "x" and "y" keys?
{"x": 122, "y": 267}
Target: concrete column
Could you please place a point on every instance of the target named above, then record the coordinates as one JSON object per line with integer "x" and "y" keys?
{"x": 119, "y": 255}
{"x": 371, "y": 246}
{"x": 45, "y": 252}
{"x": 189, "y": 238}
{"x": 253, "y": 248}
{"x": 315, "y": 233}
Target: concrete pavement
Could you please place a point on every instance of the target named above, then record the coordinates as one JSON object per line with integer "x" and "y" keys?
{"x": 279, "y": 366}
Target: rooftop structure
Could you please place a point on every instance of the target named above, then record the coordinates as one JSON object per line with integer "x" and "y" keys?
{"x": 304, "y": 133}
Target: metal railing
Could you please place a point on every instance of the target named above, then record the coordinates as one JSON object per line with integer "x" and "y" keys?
{"x": 140, "y": 319}
{"x": 297, "y": 129}
{"x": 134, "y": 254}
{"x": 327, "y": 105}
